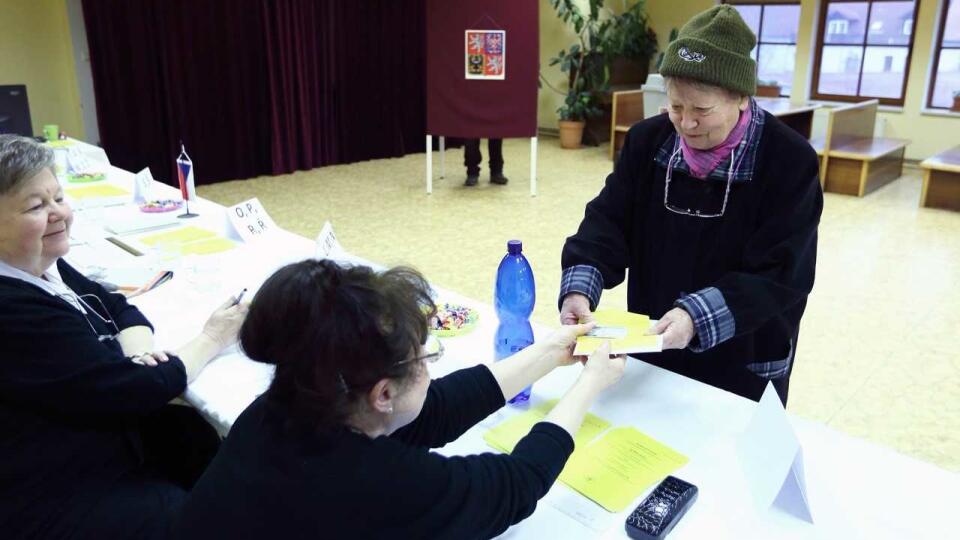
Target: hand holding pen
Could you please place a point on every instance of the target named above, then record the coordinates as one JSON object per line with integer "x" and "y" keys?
{"x": 225, "y": 321}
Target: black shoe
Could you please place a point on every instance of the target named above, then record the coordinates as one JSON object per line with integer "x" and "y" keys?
{"x": 498, "y": 178}
{"x": 472, "y": 180}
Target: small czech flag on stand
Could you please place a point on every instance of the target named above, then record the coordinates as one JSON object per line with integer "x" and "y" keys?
{"x": 185, "y": 175}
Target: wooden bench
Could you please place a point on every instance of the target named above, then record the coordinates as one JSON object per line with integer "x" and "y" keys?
{"x": 627, "y": 111}
{"x": 852, "y": 160}
{"x": 941, "y": 180}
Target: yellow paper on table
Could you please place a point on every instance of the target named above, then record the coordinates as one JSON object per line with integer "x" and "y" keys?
{"x": 99, "y": 190}
{"x": 635, "y": 340}
{"x": 507, "y": 434}
{"x": 618, "y": 467}
{"x": 208, "y": 247}
{"x": 183, "y": 235}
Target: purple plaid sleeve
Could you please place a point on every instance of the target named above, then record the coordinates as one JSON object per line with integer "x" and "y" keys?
{"x": 583, "y": 279}
{"x": 712, "y": 319}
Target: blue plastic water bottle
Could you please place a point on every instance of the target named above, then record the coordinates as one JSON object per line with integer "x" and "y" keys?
{"x": 513, "y": 298}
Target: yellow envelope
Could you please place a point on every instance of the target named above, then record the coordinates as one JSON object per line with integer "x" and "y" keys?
{"x": 635, "y": 341}
{"x": 618, "y": 467}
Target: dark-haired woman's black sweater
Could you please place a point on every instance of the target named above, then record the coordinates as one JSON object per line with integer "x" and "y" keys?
{"x": 73, "y": 412}
{"x": 268, "y": 483}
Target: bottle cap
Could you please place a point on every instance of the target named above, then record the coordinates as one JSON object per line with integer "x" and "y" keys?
{"x": 514, "y": 247}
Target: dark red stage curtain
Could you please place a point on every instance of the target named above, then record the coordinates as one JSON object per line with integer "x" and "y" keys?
{"x": 256, "y": 87}
{"x": 461, "y": 107}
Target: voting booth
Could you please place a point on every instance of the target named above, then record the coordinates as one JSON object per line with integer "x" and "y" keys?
{"x": 482, "y": 71}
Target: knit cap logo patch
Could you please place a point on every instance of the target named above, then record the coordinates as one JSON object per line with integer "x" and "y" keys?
{"x": 690, "y": 56}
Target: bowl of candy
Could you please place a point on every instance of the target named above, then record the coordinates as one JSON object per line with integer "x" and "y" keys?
{"x": 86, "y": 177}
{"x": 453, "y": 320}
{"x": 158, "y": 207}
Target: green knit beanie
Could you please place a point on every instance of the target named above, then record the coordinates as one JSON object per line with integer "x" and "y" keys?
{"x": 714, "y": 47}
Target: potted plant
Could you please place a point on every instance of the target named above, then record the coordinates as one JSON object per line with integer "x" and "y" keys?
{"x": 577, "y": 107}
{"x": 629, "y": 45}
{"x": 586, "y": 75}
{"x": 770, "y": 88}
{"x": 956, "y": 102}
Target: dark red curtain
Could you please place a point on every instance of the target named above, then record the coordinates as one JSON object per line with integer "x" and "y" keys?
{"x": 256, "y": 87}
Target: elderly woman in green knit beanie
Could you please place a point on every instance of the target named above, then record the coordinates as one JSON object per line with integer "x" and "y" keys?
{"x": 713, "y": 207}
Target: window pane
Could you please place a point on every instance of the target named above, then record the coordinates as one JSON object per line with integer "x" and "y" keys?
{"x": 883, "y": 69}
{"x": 751, "y": 16}
{"x": 776, "y": 63}
{"x": 891, "y": 23}
{"x": 951, "y": 30}
{"x": 780, "y": 24}
{"x": 846, "y": 22}
{"x": 948, "y": 78}
{"x": 840, "y": 70}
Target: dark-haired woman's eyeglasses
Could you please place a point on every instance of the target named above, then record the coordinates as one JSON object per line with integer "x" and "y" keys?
{"x": 433, "y": 351}
{"x": 690, "y": 211}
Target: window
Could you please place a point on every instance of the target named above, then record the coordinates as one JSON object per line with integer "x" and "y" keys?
{"x": 863, "y": 50}
{"x": 946, "y": 58}
{"x": 775, "y": 23}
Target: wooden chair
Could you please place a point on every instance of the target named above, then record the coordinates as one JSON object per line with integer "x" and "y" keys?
{"x": 627, "y": 111}
{"x": 941, "y": 180}
{"x": 853, "y": 161}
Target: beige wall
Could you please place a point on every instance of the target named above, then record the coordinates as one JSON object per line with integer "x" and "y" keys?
{"x": 929, "y": 133}
{"x": 35, "y": 50}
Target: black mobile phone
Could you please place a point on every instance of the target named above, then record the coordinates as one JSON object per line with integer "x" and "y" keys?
{"x": 656, "y": 515}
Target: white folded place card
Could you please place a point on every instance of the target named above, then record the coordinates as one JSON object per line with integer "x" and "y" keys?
{"x": 327, "y": 244}
{"x": 772, "y": 460}
{"x": 250, "y": 220}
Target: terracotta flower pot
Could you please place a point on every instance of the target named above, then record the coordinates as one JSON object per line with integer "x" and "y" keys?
{"x": 571, "y": 133}
{"x": 956, "y": 104}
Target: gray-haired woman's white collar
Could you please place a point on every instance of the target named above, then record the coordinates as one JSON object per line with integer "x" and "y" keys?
{"x": 50, "y": 282}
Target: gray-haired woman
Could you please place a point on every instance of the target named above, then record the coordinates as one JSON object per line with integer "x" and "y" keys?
{"x": 714, "y": 209}
{"x": 90, "y": 447}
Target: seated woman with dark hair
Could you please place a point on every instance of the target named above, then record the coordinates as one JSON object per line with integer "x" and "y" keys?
{"x": 90, "y": 447}
{"x": 338, "y": 447}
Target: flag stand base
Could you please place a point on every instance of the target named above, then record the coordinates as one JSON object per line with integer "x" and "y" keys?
{"x": 186, "y": 211}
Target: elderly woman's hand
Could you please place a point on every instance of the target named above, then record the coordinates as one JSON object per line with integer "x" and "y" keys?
{"x": 676, "y": 327}
{"x": 224, "y": 323}
{"x": 575, "y": 309}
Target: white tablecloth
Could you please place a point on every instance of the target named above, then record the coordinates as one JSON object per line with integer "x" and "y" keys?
{"x": 856, "y": 489}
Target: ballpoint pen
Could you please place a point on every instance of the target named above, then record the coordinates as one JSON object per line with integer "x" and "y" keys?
{"x": 240, "y": 296}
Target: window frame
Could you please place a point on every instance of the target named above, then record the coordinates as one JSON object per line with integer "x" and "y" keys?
{"x": 760, "y": 43}
{"x": 815, "y": 93}
{"x": 935, "y": 58}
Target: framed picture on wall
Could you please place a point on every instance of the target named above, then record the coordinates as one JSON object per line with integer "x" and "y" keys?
{"x": 485, "y": 54}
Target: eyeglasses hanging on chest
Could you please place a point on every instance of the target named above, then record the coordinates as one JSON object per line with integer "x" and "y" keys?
{"x": 691, "y": 211}
{"x": 91, "y": 311}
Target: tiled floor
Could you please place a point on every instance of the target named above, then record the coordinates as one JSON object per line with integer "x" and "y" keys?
{"x": 879, "y": 354}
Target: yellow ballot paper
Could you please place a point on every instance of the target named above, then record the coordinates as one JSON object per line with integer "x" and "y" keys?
{"x": 183, "y": 235}
{"x": 95, "y": 191}
{"x": 187, "y": 240}
{"x": 208, "y": 247}
{"x": 623, "y": 330}
{"x": 507, "y": 434}
{"x": 618, "y": 467}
